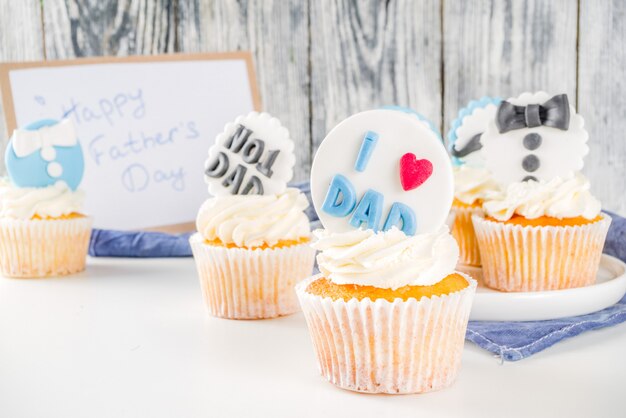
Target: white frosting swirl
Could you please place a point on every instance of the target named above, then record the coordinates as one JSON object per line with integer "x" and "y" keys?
{"x": 46, "y": 202}
{"x": 387, "y": 259}
{"x": 251, "y": 221}
{"x": 472, "y": 184}
{"x": 558, "y": 198}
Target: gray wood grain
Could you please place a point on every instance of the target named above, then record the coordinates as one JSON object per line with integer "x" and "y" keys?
{"x": 366, "y": 54}
{"x": 503, "y": 48}
{"x": 602, "y": 97}
{"x": 277, "y": 34}
{"x": 80, "y": 28}
{"x": 318, "y": 61}
{"x": 21, "y": 39}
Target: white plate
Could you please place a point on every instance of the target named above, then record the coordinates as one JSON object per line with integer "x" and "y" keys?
{"x": 491, "y": 305}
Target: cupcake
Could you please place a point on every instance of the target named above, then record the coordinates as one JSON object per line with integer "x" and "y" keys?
{"x": 252, "y": 244}
{"x": 43, "y": 229}
{"x": 388, "y": 312}
{"x": 472, "y": 182}
{"x": 471, "y": 187}
{"x": 545, "y": 230}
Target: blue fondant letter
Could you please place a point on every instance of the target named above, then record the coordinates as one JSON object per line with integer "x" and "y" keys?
{"x": 341, "y": 197}
{"x": 400, "y": 211}
{"x": 367, "y": 147}
{"x": 368, "y": 211}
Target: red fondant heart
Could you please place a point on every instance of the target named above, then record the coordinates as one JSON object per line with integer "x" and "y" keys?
{"x": 414, "y": 172}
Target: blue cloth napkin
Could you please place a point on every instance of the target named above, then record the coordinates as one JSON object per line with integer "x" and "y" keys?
{"x": 511, "y": 341}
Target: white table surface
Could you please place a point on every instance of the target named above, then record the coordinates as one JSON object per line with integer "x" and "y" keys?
{"x": 131, "y": 338}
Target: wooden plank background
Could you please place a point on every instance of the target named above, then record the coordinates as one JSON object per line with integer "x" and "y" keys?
{"x": 319, "y": 61}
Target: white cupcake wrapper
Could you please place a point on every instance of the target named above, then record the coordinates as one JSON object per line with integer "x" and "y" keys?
{"x": 41, "y": 248}
{"x": 534, "y": 258}
{"x": 240, "y": 283}
{"x": 388, "y": 347}
{"x": 463, "y": 232}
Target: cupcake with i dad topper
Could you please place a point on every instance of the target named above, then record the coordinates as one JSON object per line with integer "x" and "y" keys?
{"x": 43, "y": 230}
{"x": 544, "y": 230}
{"x": 388, "y": 312}
{"x": 473, "y": 183}
{"x": 252, "y": 244}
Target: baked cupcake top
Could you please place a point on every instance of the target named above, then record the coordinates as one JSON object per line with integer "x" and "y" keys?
{"x": 45, "y": 164}
{"x": 44, "y": 202}
{"x": 381, "y": 182}
{"x": 247, "y": 172}
{"x": 386, "y": 259}
{"x": 253, "y": 221}
{"x": 557, "y": 198}
{"x": 473, "y": 185}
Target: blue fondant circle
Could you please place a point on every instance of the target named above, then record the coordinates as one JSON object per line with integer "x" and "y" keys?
{"x": 32, "y": 170}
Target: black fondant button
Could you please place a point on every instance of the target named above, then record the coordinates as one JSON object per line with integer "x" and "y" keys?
{"x": 528, "y": 178}
{"x": 530, "y": 163}
{"x": 532, "y": 141}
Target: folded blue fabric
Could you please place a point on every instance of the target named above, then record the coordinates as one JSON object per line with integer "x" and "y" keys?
{"x": 511, "y": 341}
{"x": 514, "y": 341}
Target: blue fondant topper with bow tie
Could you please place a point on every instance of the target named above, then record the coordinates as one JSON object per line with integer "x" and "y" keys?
{"x": 464, "y": 137}
{"x": 43, "y": 153}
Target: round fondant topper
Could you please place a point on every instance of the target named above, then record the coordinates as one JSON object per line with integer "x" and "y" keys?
{"x": 464, "y": 137}
{"x": 253, "y": 155}
{"x": 379, "y": 169}
{"x": 43, "y": 153}
{"x": 535, "y": 136}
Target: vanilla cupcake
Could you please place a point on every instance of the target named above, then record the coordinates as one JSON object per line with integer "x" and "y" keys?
{"x": 388, "y": 312}
{"x": 471, "y": 187}
{"x": 250, "y": 252}
{"x": 251, "y": 247}
{"x": 544, "y": 231}
{"x": 542, "y": 235}
{"x": 472, "y": 182}
{"x": 43, "y": 229}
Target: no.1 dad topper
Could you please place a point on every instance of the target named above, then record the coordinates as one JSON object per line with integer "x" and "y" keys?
{"x": 379, "y": 169}
{"x": 253, "y": 155}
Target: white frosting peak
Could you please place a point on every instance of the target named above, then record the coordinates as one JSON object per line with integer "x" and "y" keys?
{"x": 472, "y": 184}
{"x": 558, "y": 198}
{"x": 387, "y": 259}
{"x": 251, "y": 221}
{"x": 46, "y": 202}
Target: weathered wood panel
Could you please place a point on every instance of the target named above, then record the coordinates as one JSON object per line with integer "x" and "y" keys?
{"x": 277, "y": 34}
{"x": 80, "y": 28}
{"x": 503, "y": 48}
{"x": 21, "y": 39}
{"x": 366, "y": 54}
{"x": 318, "y": 61}
{"x": 602, "y": 97}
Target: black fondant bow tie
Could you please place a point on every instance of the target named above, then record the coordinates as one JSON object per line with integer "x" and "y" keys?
{"x": 553, "y": 113}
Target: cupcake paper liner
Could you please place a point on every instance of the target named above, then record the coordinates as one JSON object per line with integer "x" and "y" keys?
{"x": 388, "y": 347}
{"x": 42, "y": 248}
{"x": 463, "y": 233}
{"x": 519, "y": 258}
{"x": 240, "y": 283}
